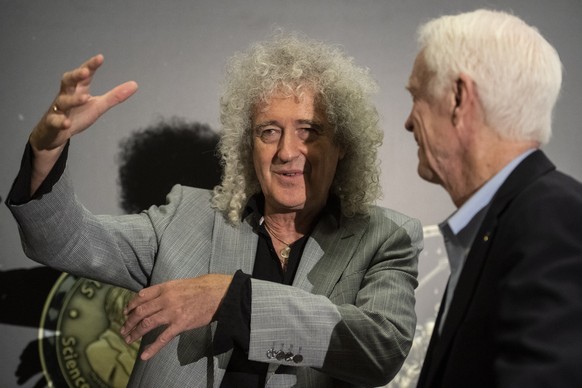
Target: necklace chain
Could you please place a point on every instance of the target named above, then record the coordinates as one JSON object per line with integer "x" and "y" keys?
{"x": 283, "y": 252}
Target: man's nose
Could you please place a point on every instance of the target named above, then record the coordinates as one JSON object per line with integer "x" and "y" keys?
{"x": 408, "y": 124}
{"x": 288, "y": 146}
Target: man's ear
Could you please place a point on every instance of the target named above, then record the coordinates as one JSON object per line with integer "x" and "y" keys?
{"x": 458, "y": 92}
{"x": 464, "y": 97}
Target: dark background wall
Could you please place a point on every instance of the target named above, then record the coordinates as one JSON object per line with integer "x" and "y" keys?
{"x": 176, "y": 50}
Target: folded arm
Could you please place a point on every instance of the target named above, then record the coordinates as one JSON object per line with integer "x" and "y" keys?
{"x": 361, "y": 332}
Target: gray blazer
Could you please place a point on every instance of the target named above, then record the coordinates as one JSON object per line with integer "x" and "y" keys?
{"x": 349, "y": 314}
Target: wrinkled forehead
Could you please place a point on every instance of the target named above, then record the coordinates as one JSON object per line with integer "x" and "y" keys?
{"x": 421, "y": 78}
{"x": 420, "y": 71}
{"x": 300, "y": 94}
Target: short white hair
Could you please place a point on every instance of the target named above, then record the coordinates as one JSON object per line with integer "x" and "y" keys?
{"x": 518, "y": 74}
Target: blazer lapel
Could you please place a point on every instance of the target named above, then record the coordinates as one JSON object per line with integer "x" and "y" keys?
{"x": 526, "y": 172}
{"x": 233, "y": 248}
{"x": 327, "y": 253}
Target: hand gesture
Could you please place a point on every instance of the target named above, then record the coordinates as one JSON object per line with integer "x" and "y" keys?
{"x": 72, "y": 111}
{"x": 182, "y": 305}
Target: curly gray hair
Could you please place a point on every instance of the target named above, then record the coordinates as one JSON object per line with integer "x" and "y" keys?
{"x": 291, "y": 63}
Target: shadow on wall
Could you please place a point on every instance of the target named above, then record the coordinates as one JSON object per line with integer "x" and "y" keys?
{"x": 154, "y": 159}
{"x": 76, "y": 315}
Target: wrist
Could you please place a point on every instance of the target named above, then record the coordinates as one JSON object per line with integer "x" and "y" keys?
{"x": 43, "y": 161}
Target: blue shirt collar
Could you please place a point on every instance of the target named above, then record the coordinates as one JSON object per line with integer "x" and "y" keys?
{"x": 459, "y": 219}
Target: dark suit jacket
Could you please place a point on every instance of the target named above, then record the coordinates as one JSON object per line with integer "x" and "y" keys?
{"x": 516, "y": 315}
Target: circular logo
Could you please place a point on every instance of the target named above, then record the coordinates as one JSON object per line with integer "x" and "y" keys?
{"x": 80, "y": 344}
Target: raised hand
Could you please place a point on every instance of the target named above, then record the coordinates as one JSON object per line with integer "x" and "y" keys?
{"x": 182, "y": 305}
{"x": 72, "y": 111}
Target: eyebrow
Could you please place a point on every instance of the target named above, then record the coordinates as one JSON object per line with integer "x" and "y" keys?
{"x": 264, "y": 124}
{"x": 313, "y": 123}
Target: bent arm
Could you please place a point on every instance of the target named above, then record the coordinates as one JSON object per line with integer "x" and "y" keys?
{"x": 58, "y": 231}
{"x": 361, "y": 332}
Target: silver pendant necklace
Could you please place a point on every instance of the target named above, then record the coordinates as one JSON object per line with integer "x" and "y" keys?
{"x": 286, "y": 251}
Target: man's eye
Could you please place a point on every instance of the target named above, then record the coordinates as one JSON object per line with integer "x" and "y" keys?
{"x": 269, "y": 135}
{"x": 305, "y": 133}
{"x": 309, "y": 132}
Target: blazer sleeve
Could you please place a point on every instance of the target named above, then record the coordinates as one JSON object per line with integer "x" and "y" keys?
{"x": 362, "y": 331}
{"x": 58, "y": 231}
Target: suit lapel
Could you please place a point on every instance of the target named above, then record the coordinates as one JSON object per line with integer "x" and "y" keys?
{"x": 327, "y": 253}
{"x": 526, "y": 172}
{"x": 233, "y": 248}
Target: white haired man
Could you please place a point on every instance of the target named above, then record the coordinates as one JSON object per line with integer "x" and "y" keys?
{"x": 484, "y": 85}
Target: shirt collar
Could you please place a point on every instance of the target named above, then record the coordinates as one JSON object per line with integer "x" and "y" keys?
{"x": 459, "y": 219}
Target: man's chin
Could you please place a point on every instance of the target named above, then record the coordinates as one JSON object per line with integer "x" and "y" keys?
{"x": 428, "y": 175}
{"x": 289, "y": 206}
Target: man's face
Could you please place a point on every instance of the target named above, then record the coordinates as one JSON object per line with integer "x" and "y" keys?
{"x": 430, "y": 120}
{"x": 294, "y": 155}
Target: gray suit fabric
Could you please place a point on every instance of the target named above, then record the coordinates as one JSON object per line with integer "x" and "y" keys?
{"x": 350, "y": 311}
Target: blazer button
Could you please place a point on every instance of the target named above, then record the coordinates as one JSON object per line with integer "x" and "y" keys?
{"x": 280, "y": 355}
